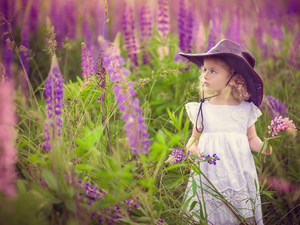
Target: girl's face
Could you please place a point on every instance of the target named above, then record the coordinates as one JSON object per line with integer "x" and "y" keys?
{"x": 215, "y": 75}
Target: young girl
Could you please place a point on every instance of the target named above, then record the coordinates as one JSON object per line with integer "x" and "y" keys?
{"x": 226, "y": 125}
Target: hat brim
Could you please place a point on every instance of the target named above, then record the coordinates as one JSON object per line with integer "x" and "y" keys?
{"x": 242, "y": 67}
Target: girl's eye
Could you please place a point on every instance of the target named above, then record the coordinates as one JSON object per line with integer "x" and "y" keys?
{"x": 212, "y": 71}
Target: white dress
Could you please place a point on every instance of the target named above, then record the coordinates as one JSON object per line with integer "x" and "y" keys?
{"x": 225, "y": 129}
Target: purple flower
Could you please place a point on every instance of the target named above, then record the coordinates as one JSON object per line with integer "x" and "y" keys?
{"x": 58, "y": 21}
{"x": 211, "y": 159}
{"x": 177, "y": 155}
{"x": 129, "y": 33}
{"x": 279, "y": 124}
{"x": 163, "y": 19}
{"x": 8, "y": 59}
{"x": 54, "y": 103}
{"x": 275, "y": 107}
{"x": 87, "y": 62}
{"x": 211, "y": 40}
{"x": 8, "y": 152}
{"x": 70, "y": 19}
{"x": 136, "y": 130}
{"x": 146, "y": 30}
{"x": 34, "y": 16}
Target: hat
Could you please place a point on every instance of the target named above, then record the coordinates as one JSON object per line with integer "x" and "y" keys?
{"x": 238, "y": 58}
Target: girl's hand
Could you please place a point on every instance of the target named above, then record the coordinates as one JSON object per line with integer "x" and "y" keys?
{"x": 267, "y": 151}
{"x": 195, "y": 151}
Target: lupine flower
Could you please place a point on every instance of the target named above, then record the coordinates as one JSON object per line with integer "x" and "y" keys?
{"x": 8, "y": 152}
{"x": 185, "y": 27}
{"x": 279, "y": 124}
{"x": 211, "y": 40}
{"x": 91, "y": 194}
{"x": 130, "y": 39}
{"x": 34, "y": 16}
{"x": 275, "y": 107}
{"x": 211, "y": 159}
{"x": 279, "y": 184}
{"x": 146, "y": 29}
{"x": 177, "y": 156}
{"x": 58, "y": 21}
{"x": 87, "y": 30}
{"x": 163, "y": 18}
{"x": 8, "y": 59}
{"x": 87, "y": 62}
{"x": 70, "y": 19}
{"x": 136, "y": 130}
{"x": 235, "y": 26}
{"x": 54, "y": 94}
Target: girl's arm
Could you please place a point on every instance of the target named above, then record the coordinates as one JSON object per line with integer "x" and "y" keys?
{"x": 254, "y": 141}
{"x": 193, "y": 148}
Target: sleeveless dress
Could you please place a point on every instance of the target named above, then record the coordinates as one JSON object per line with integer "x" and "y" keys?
{"x": 225, "y": 129}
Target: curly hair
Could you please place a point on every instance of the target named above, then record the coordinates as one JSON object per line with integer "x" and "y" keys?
{"x": 237, "y": 82}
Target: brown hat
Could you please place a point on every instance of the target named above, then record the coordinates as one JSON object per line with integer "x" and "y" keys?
{"x": 238, "y": 58}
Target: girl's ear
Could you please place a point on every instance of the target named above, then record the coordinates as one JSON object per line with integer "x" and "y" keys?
{"x": 232, "y": 71}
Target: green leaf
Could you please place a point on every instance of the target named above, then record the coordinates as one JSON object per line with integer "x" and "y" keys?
{"x": 137, "y": 212}
{"x": 70, "y": 204}
{"x": 195, "y": 168}
{"x": 84, "y": 167}
{"x": 50, "y": 179}
{"x": 143, "y": 219}
{"x": 194, "y": 185}
{"x": 193, "y": 205}
{"x": 177, "y": 181}
{"x": 160, "y": 137}
{"x": 174, "y": 166}
{"x": 174, "y": 140}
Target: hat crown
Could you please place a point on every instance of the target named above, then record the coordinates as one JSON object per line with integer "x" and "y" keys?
{"x": 230, "y": 47}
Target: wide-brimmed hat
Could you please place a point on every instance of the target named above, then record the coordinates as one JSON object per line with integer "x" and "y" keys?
{"x": 238, "y": 58}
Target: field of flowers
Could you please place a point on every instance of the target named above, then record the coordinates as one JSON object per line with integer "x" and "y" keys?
{"x": 92, "y": 121}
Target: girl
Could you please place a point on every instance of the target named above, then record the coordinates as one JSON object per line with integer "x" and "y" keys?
{"x": 226, "y": 125}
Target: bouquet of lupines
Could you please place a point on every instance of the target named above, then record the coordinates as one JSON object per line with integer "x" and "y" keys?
{"x": 277, "y": 125}
{"x": 178, "y": 155}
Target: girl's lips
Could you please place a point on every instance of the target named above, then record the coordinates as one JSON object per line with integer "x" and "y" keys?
{"x": 206, "y": 84}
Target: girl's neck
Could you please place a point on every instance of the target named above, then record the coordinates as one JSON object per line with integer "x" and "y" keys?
{"x": 225, "y": 98}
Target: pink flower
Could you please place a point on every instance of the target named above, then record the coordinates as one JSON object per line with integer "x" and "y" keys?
{"x": 7, "y": 138}
{"x": 279, "y": 124}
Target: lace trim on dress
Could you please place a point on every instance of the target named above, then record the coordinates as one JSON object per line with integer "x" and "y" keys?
{"x": 239, "y": 199}
{"x": 239, "y": 116}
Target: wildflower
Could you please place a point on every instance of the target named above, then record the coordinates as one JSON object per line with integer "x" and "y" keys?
{"x": 8, "y": 59}
{"x": 146, "y": 30}
{"x": 211, "y": 40}
{"x": 8, "y": 152}
{"x": 275, "y": 107}
{"x": 54, "y": 100}
{"x": 185, "y": 27}
{"x": 136, "y": 130}
{"x": 279, "y": 124}
{"x": 87, "y": 62}
{"x": 163, "y": 18}
{"x": 177, "y": 155}
{"x": 211, "y": 160}
{"x": 70, "y": 19}
{"x": 34, "y": 16}
{"x": 129, "y": 33}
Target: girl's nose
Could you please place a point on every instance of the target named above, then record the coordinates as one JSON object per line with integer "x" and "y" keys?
{"x": 205, "y": 75}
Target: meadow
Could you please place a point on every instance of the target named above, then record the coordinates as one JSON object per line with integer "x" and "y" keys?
{"x": 92, "y": 121}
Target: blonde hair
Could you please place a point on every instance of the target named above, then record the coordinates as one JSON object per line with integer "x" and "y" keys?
{"x": 237, "y": 82}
